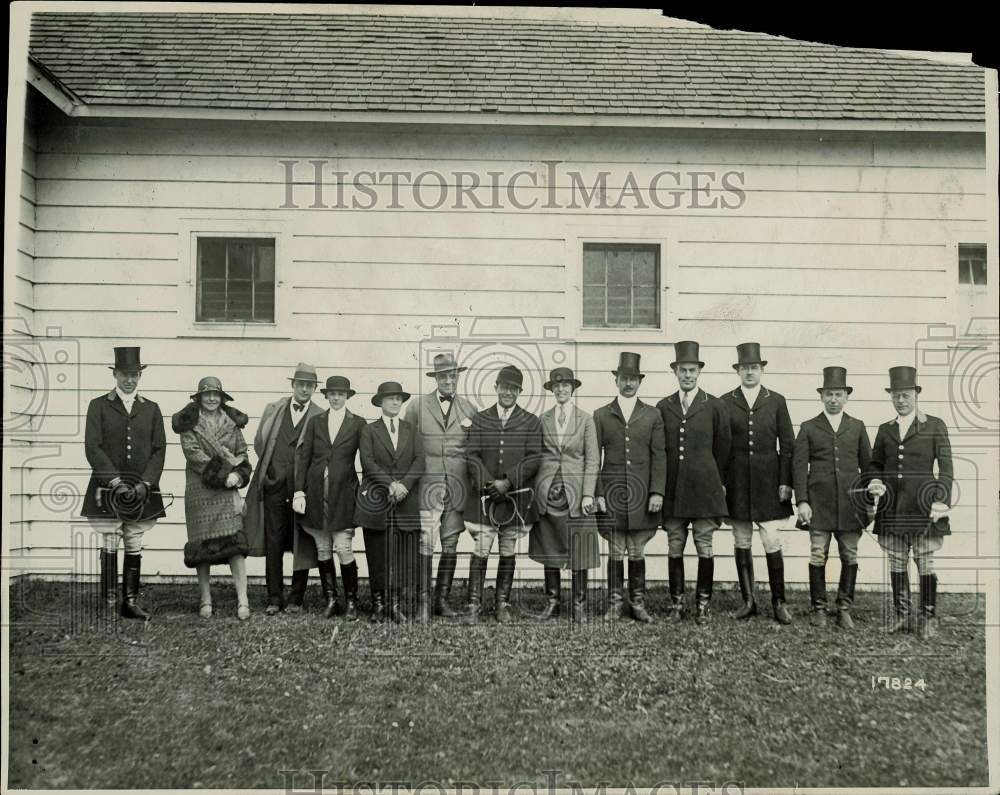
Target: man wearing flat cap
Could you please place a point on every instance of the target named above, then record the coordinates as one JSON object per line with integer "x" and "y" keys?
{"x": 503, "y": 452}
{"x": 442, "y": 418}
{"x": 271, "y": 525}
{"x": 698, "y": 441}
{"x": 125, "y": 444}
{"x": 629, "y": 486}
{"x": 832, "y": 454}
{"x": 758, "y": 477}
{"x": 914, "y": 500}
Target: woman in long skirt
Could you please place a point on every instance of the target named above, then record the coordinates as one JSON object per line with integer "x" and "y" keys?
{"x": 566, "y": 534}
{"x": 217, "y": 467}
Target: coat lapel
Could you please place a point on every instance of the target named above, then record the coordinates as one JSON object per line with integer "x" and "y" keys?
{"x": 739, "y": 399}
{"x": 617, "y": 410}
{"x": 436, "y": 411}
{"x": 341, "y": 431}
{"x": 382, "y": 433}
{"x": 699, "y": 403}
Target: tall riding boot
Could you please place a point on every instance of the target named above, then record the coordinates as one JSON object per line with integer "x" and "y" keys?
{"x": 637, "y": 590}
{"x": 446, "y": 574}
{"x": 900, "y": 581}
{"x": 744, "y": 573}
{"x": 928, "y": 606}
{"x": 424, "y": 589}
{"x": 553, "y": 587}
{"x": 776, "y": 579}
{"x": 328, "y": 582}
{"x": 297, "y": 593}
{"x": 703, "y": 593}
{"x": 616, "y": 582}
{"x": 505, "y": 580}
{"x": 817, "y": 595}
{"x": 378, "y": 607}
{"x": 349, "y": 574}
{"x": 130, "y": 588}
{"x": 845, "y": 595}
{"x": 477, "y": 576}
{"x": 675, "y": 570}
{"x": 109, "y": 581}
{"x": 579, "y": 596}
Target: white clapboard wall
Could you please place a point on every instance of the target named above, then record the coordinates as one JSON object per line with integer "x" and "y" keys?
{"x": 844, "y": 252}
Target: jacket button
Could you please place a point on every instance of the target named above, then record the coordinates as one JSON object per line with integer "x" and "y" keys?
{"x": 682, "y": 430}
{"x": 628, "y": 463}
{"x": 680, "y": 457}
{"x": 683, "y": 422}
{"x": 899, "y": 476}
{"x": 626, "y": 438}
{"x": 751, "y": 433}
{"x": 900, "y": 456}
{"x": 751, "y": 452}
{"x": 901, "y": 447}
{"x": 751, "y": 422}
{"x": 682, "y": 447}
{"x": 751, "y": 442}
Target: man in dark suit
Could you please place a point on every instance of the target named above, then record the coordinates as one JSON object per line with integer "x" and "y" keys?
{"x": 125, "y": 444}
{"x": 832, "y": 453}
{"x": 326, "y": 486}
{"x": 913, "y": 501}
{"x": 629, "y": 486}
{"x": 698, "y": 436}
{"x": 758, "y": 477}
{"x": 388, "y": 507}
{"x": 503, "y": 452}
{"x": 271, "y": 524}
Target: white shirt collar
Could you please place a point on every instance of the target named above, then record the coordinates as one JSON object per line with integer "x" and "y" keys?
{"x": 128, "y": 400}
{"x": 750, "y": 395}
{"x": 905, "y": 423}
{"x": 627, "y": 405}
{"x": 395, "y": 420}
{"x": 691, "y": 395}
{"x": 834, "y": 419}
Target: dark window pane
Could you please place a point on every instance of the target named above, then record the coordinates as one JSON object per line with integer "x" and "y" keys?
{"x": 972, "y": 264}
{"x": 620, "y": 267}
{"x": 240, "y": 260}
{"x": 211, "y": 258}
{"x": 631, "y": 296}
{"x": 265, "y": 262}
{"x": 235, "y": 279}
{"x": 264, "y": 302}
{"x": 644, "y": 269}
{"x": 594, "y": 302}
{"x": 593, "y": 266}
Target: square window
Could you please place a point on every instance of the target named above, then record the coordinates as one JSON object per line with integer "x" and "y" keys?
{"x": 972, "y": 264}
{"x": 621, "y": 285}
{"x": 236, "y": 280}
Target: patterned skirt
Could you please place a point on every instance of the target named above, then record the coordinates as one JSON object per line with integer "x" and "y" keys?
{"x": 214, "y": 523}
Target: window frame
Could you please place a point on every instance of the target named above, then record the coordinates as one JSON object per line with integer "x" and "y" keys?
{"x": 202, "y": 279}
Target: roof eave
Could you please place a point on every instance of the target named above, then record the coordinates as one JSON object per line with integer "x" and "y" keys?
{"x": 52, "y": 88}
{"x": 80, "y": 110}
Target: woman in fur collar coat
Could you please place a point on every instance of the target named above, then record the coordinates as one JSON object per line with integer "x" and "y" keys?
{"x": 217, "y": 467}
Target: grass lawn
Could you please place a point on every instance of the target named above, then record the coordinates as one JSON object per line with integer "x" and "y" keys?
{"x": 187, "y": 702}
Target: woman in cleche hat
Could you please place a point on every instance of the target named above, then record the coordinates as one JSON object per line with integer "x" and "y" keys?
{"x": 217, "y": 467}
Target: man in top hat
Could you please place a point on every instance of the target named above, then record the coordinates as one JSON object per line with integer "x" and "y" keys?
{"x": 442, "y": 419}
{"x": 271, "y": 524}
{"x": 125, "y": 444}
{"x": 503, "y": 452}
{"x": 698, "y": 441}
{"x": 629, "y": 486}
{"x": 326, "y": 486}
{"x": 832, "y": 453}
{"x": 758, "y": 477}
{"x": 913, "y": 502}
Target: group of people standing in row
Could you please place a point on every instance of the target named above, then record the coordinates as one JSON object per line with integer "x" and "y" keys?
{"x": 564, "y": 479}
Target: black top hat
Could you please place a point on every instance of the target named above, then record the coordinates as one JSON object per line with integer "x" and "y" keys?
{"x": 337, "y": 383}
{"x": 902, "y": 378}
{"x": 562, "y": 375}
{"x": 387, "y": 388}
{"x": 127, "y": 359}
{"x": 511, "y": 375}
{"x": 686, "y": 352}
{"x": 628, "y": 364}
{"x": 211, "y": 384}
{"x": 445, "y": 363}
{"x": 748, "y": 353}
{"x": 835, "y": 378}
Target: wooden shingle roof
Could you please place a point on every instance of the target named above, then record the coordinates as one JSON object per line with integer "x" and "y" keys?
{"x": 343, "y": 62}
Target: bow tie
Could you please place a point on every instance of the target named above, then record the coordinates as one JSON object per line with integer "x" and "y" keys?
{"x": 298, "y": 406}
{"x": 445, "y": 398}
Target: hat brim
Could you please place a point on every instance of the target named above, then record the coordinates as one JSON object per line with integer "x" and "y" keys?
{"x": 350, "y": 392}
{"x": 511, "y": 383}
{"x": 674, "y": 364}
{"x": 447, "y": 370}
{"x": 574, "y": 381}
{"x": 377, "y": 399}
{"x": 130, "y": 369}
{"x": 307, "y": 380}
{"x": 891, "y": 389}
{"x": 617, "y": 373}
{"x": 225, "y": 395}
{"x": 847, "y": 389}
{"x": 738, "y": 365}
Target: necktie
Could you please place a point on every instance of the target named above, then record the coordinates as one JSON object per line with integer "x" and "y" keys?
{"x": 392, "y": 425}
{"x": 298, "y": 406}
{"x": 503, "y": 419}
{"x": 684, "y": 402}
{"x": 562, "y": 416}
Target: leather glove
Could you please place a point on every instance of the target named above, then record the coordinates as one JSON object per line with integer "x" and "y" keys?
{"x": 141, "y": 491}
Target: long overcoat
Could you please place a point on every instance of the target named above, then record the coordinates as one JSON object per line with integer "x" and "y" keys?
{"x": 444, "y": 448}
{"x": 760, "y": 456}
{"x": 697, "y": 457}
{"x": 326, "y": 471}
{"x": 906, "y": 467}
{"x": 130, "y": 446}
{"x": 634, "y": 464}
{"x": 381, "y": 464}
{"x": 828, "y": 472}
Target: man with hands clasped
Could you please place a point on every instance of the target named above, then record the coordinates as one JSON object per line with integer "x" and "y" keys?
{"x": 913, "y": 507}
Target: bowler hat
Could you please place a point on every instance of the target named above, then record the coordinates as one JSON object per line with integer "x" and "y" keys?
{"x": 127, "y": 359}
{"x": 748, "y": 353}
{"x": 562, "y": 375}
{"x": 835, "y": 378}
{"x": 686, "y": 352}
{"x": 445, "y": 363}
{"x": 511, "y": 375}
{"x": 902, "y": 378}
{"x": 387, "y": 388}
{"x": 628, "y": 364}
{"x": 211, "y": 384}
{"x": 337, "y": 383}
{"x": 305, "y": 372}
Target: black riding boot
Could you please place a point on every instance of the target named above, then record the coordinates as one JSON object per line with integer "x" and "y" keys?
{"x": 776, "y": 579}
{"x": 297, "y": 593}
{"x": 845, "y": 595}
{"x": 109, "y": 580}
{"x": 553, "y": 586}
{"x": 616, "y": 599}
{"x": 900, "y": 581}
{"x": 703, "y": 594}
{"x": 579, "y": 596}
{"x": 675, "y": 570}
{"x": 817, "y": 594}
{"x": 505, "y": 580}
{"x": 637, "y": 591}
{"x": 424, "y": 589}
{"x": 328, "y": 582}
{"x": 446, "y": 574}
{"x": 130, "y": 588}
{"x": 744, "y": 573}
{"x": 349, "y": 573}
{"x": 928, "y": 606}
{"x": 477, "y": 576}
